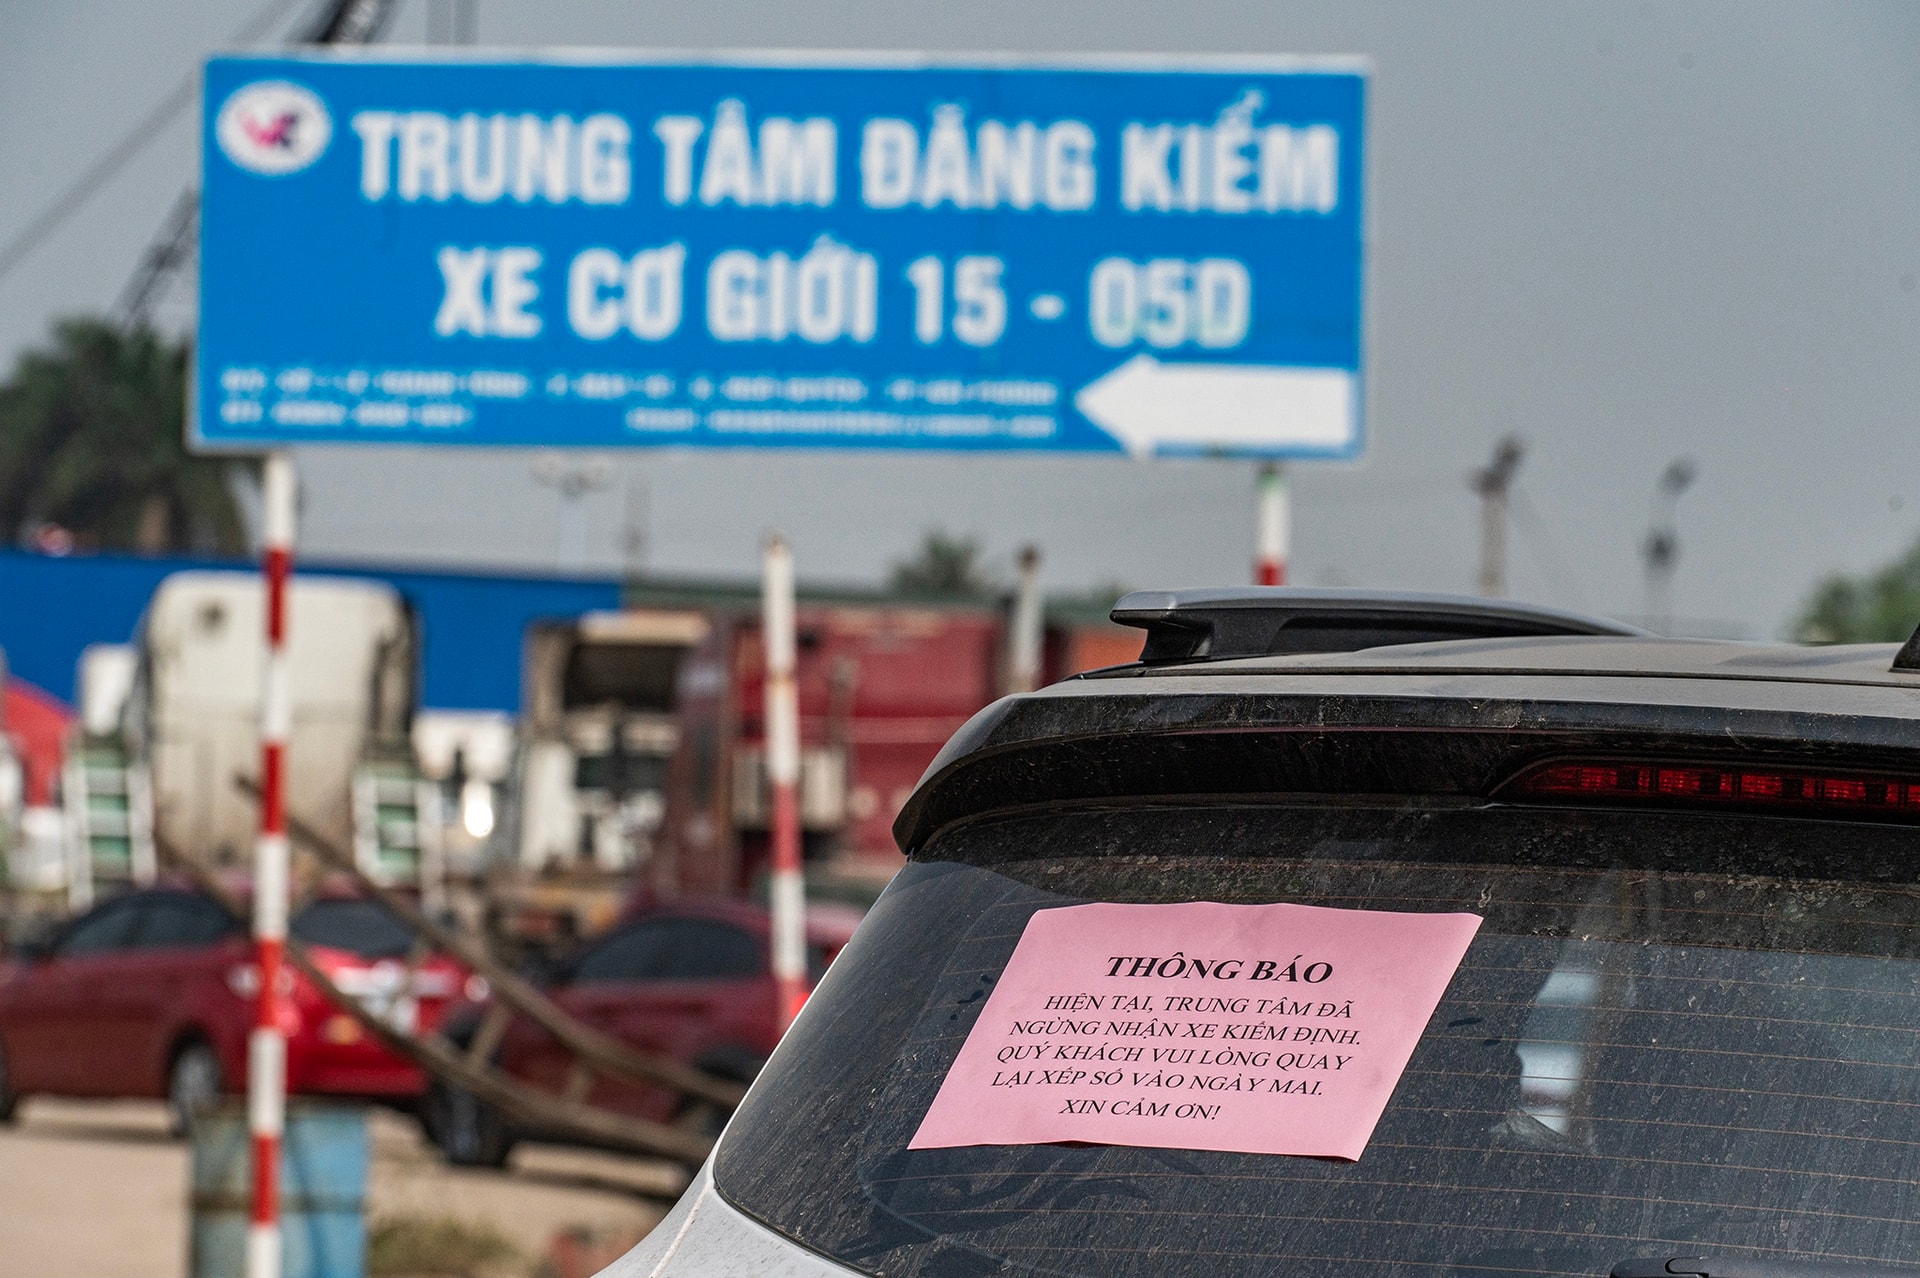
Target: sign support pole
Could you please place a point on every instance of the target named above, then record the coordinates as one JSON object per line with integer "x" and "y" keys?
{"x": 267, "y": 1046}
{"x": 1274, "y": 521}
{"x": 783, "y": 778}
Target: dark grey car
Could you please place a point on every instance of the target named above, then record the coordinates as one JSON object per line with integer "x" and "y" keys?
{"x": 1686, "y": 1038}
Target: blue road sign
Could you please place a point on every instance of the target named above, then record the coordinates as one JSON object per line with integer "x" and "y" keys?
{"x": 1149, "y": 257}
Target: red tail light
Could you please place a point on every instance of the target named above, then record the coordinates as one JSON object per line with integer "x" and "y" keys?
{"x": 1825, "y": 793}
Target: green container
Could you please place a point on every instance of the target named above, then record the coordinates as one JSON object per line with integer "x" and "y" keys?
{"x": 323, "y": 1191}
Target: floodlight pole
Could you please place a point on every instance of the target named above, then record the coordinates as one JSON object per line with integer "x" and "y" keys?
{"x": 1494, "y": 484}
{"x": 267, "y": 1045}
{"x": 788, "y": 894}
{"x": 1661, "y": 549}
{"x": 1271, "y": 527}
{"x": 573, "y": 480}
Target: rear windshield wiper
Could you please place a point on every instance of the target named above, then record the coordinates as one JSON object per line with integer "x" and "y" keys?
{"x": 1728, "y": 1267}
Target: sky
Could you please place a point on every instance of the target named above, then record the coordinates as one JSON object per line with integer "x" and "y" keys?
{"x": 1626, "y": 232}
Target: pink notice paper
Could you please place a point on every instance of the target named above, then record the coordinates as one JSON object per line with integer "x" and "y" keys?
{"x": 1261, "y": 1029}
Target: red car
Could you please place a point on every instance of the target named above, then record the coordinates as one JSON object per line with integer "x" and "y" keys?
{"x": 151, "y": 994}
{"x": 690, "y": 980}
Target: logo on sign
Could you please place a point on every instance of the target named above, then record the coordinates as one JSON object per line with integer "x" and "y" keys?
{"x": 273, "y": 128}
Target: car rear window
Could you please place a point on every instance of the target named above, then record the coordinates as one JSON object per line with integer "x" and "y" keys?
{"x": 365, "y": 928}
{"x": 1674, "y": 1035}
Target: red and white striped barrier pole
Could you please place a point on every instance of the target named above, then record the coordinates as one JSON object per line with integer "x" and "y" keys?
{"x": 783, "y": 777}
{"x": 1270, "y": 563}
{"x": 267, "y": 1046}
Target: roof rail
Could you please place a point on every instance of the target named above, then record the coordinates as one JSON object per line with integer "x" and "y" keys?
{"x": 1261, "y": 621}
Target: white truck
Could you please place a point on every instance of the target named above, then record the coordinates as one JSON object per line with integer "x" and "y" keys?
{"x": 161, "y": 773}
{"x": 582, "y": 799}
{"x": 589, "y": 784}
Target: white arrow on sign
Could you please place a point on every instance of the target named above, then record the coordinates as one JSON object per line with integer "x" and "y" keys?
{"x": 1149, "y": 406}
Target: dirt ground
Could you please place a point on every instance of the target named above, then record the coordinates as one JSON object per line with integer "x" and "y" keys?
{"x": 99, "y": 1190}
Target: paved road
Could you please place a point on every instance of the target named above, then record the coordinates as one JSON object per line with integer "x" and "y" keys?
{"x": 100, "y": 1191}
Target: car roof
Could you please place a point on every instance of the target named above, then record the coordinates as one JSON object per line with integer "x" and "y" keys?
{"x": 828, "y": 922}
{"x": 1285, "y": 631}
{"x": 239, "y": 883}
{"x": 1650, "y": 657}
{"x": 1263, "y": 627}
{"x": 1852, "y": 681}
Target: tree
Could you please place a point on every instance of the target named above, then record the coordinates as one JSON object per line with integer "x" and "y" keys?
{"x": 91, "y": 440}
{"x": 1879, "y": 607}
{"x": 945, "y": 567}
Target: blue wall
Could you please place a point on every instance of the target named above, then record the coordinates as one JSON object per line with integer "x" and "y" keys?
{"x": 471, "y": 624}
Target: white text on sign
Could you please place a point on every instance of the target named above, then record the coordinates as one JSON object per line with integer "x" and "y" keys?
{"x": 1230, "y": 165}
